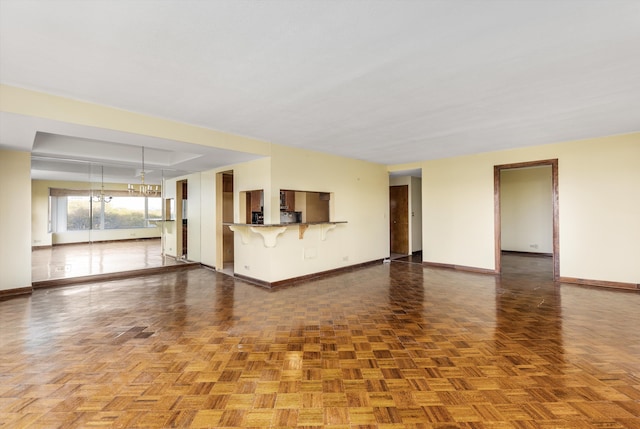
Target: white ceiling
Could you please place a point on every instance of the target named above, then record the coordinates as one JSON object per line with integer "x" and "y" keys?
{"x": 386, "y": 81}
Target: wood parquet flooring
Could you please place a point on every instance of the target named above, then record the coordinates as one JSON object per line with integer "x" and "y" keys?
{"x": 388, "y": 346}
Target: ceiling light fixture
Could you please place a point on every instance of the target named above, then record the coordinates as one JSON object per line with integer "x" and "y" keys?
{"x": 143, "y": 189}
{"x": 102, "y": 196}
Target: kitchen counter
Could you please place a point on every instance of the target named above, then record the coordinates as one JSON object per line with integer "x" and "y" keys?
{"x": 271, "y": 231}
{"x": 284, "y": 224}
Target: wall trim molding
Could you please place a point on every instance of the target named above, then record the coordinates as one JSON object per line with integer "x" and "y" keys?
{"x": 600, "y": 283}
{"x": 251, "y": 280}
{"x": 113, "y": 276}
{"x": 14, "y": 293}
{"x": 460, "y": 268}
{"x": 46, "y": 246}
{"x": 293, "y": 280}
{"x": 99, "y": 242}
{"x": 521, "y": 253}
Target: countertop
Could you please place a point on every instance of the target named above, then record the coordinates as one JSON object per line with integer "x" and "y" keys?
{"x": 265, "y": 225}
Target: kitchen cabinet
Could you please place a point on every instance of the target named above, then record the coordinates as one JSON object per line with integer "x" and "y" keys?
{"x": 256, "y": 201}
{"x": 253, "y": 205}
{"x": 287, "y": 200}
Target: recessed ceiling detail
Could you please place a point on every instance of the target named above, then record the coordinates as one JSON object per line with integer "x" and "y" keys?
{"x": 57, "y": 146}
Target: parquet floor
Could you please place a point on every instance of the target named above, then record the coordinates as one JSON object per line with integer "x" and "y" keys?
{"x": 388, "y": 346}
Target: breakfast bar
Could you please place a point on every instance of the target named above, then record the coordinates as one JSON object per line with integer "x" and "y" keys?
{"x": 270, "y": 232}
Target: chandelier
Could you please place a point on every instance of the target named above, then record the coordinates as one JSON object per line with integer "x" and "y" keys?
{"x": 143, "y": 189}
{"x": 102, "y": 197}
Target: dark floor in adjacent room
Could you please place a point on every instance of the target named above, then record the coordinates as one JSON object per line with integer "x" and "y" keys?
{"x": 414, "y": 258}
{"x": 392, "y": 345}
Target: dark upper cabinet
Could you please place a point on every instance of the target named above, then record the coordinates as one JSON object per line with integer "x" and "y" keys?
{"x": 287, "y": 200}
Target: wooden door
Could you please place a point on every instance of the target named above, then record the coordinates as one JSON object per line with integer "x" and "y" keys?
{"x": 399, "y": 218}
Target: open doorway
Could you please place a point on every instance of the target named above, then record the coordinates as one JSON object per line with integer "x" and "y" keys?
{"x": 525, "y": 222}
{"x": 224, "y": 215}
{"x": 405, "y": 216}
{"x": 182, "y": 219}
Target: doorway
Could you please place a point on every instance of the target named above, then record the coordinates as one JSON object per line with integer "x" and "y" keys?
{"x": 182, "y": 219}
{"x": 399, "y": 219}
{"x": 224, "y": 214}
{"x": 498, "y": 204}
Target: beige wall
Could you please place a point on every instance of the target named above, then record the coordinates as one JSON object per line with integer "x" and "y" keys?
{"x": 252, "y": 176}
{"x": 359, "y": 196}
{"x": 208, "y": 218}
{"x": 599, "y": 207}
{"x": 416, "y": 214}
{"x": 15, "y": 219}
{"x": 526, "y": 202}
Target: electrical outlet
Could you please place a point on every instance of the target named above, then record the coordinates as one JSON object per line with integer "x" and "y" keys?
{"x": 533, "y": 246}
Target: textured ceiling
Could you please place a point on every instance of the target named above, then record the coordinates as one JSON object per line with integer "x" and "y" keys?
{"x": 386, "y": 81}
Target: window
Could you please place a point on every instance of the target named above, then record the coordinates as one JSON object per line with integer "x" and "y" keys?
{"x": 51, "y": 216}
{"x": 124, "y": 212}
{"x": 80, "y": 212}
{"x": 154, "y": 208}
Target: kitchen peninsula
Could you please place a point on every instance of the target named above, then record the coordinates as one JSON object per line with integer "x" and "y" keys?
{"x": 300, "y": 209}
{"x": 270, "y": 232}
